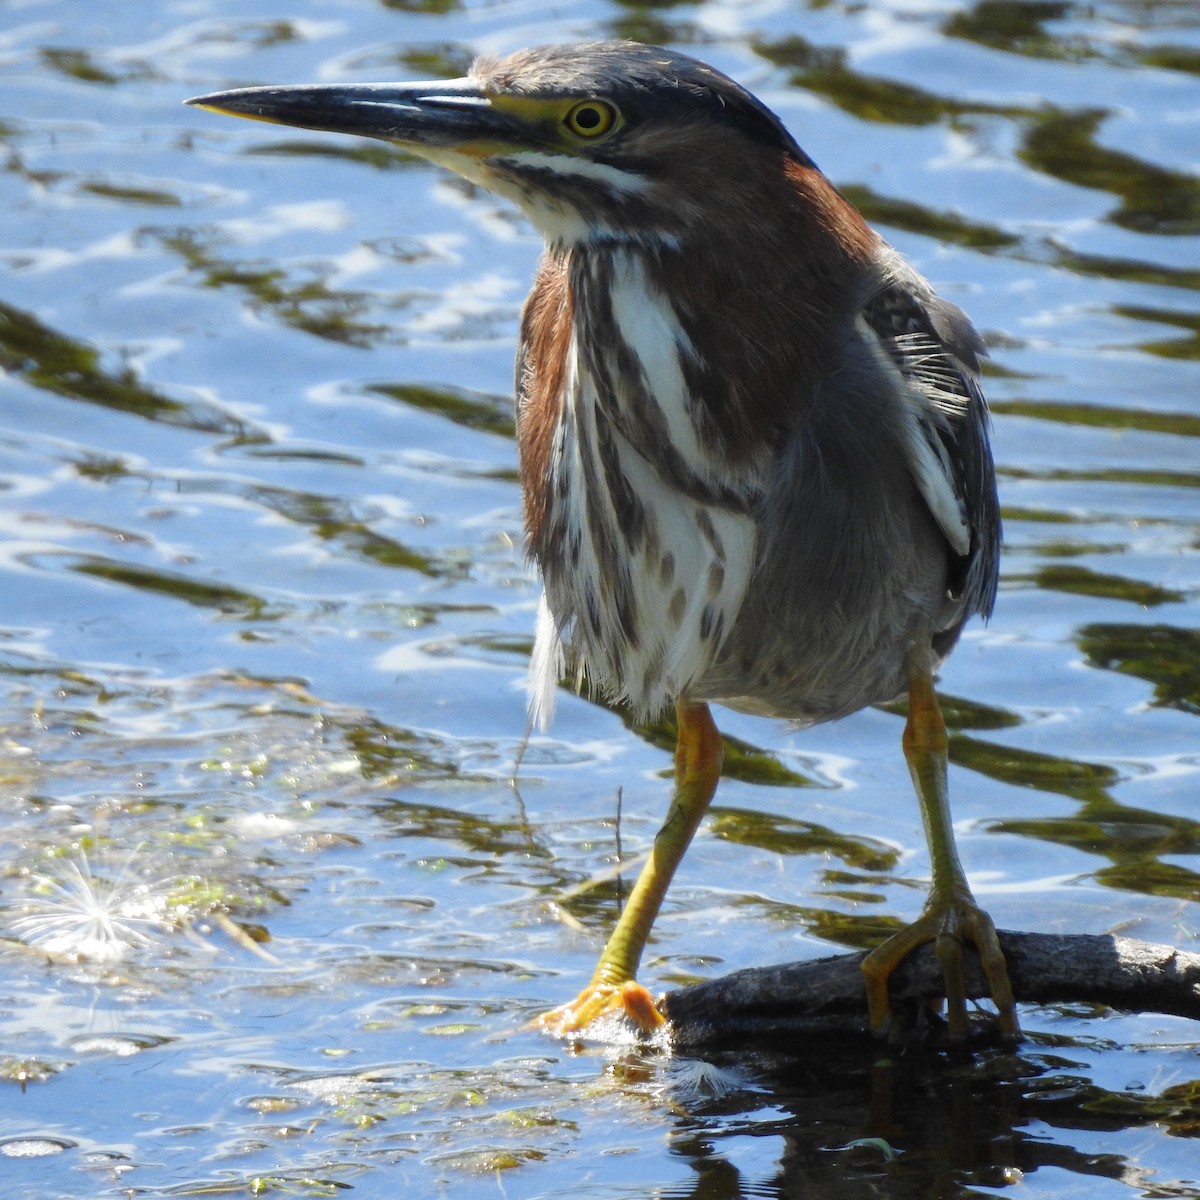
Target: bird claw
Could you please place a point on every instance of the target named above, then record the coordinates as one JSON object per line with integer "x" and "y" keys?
{"x": 600, "y": 1000}
{"x": 947, "y": 923}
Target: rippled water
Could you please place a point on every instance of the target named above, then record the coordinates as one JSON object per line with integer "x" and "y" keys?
{"x": 265, "y": 619}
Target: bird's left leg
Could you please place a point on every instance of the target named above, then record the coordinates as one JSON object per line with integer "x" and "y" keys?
{"x": 698, "y": 757}
{"x": 951, "y": 915}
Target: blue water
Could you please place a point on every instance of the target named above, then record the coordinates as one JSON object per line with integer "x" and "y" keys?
{"x": 264, "y": 620}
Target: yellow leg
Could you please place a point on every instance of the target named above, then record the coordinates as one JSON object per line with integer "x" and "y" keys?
{"x": 698, "y": 756}
{"x": 951, "y": 914}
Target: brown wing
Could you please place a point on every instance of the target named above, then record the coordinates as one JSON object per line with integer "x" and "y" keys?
{"x": 547, "y": 322}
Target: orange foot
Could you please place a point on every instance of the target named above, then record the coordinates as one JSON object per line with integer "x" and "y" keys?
{"x": 599, "y": 1000}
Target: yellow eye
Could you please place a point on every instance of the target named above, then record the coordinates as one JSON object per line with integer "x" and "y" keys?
{"x": 590, "y": 118}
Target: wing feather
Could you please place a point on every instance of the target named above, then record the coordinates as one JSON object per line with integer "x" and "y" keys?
{"x": 937, "y": 350}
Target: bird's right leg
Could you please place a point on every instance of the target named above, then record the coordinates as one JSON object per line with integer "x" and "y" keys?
{"x": 699, "y": 753}
{"x": 951, "y": 915}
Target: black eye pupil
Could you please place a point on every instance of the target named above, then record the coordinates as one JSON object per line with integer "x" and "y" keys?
{"x": 588, "y": 118}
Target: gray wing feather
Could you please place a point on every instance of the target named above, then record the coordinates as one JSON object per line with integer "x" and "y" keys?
{"x": 937, "y": 350}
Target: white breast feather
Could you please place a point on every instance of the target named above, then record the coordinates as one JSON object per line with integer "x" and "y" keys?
{"x": 699, "y": 536}
{"x": 546, "y": 666}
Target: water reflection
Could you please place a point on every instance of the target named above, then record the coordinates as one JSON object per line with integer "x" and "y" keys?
{"x": 826, "y": 71}
{"x": 50, "y": 360}
{"x": 1164, "y": 655}
{"x": 1153, "y": 200}
{"x": 1027, "y": 27}
{"x": 302, "y": 298}
{"x": 245, "y": 372}
{"x": 921, "y": 1124}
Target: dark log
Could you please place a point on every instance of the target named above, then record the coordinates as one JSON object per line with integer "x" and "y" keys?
{"x": 826, "y": 996}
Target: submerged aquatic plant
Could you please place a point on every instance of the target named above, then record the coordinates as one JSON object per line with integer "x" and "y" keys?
{"x": 77, "y": 913}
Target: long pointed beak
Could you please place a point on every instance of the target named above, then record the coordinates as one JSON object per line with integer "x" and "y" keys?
{"x": 438, "y": 115}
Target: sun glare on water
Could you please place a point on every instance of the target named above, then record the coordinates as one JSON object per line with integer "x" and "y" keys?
{"x": 76, "y": 913}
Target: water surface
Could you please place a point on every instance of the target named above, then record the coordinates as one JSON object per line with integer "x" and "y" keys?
{"x": 265, "y": 620}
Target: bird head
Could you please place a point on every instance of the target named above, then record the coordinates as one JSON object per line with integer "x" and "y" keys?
{"x": 611, "y": 141}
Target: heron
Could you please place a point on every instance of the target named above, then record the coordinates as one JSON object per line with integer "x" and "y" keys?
{"x": 753, "y": 444}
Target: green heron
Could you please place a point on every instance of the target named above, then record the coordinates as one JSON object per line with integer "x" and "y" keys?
{"x": 753, "y": 445}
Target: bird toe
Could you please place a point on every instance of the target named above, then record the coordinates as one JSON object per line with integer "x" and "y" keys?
{"x": 629, "y": 999}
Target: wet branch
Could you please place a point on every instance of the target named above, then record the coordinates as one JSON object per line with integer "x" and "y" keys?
{"x": 755, "y": 1005}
